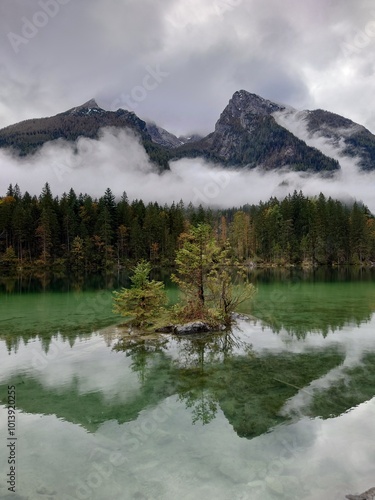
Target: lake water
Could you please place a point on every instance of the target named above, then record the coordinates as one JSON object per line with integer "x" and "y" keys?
{"x": 282, "y": 408}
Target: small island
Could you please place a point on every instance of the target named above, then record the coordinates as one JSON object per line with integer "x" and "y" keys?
{"x": 212, "y": 281}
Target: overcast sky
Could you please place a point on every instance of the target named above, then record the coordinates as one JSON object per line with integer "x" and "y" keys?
{"x": 309, "y": 54}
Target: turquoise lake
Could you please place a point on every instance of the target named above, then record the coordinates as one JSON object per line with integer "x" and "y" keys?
{"x": 283, "y": 407}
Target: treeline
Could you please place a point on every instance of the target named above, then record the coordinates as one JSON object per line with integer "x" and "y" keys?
{"x": 78, "y": 232}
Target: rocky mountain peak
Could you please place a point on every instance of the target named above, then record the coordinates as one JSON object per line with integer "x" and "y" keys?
{"x": 252, "y": 132}
{"x": 90, "y": 104}
{"x": 244, "y": 101}
{"x": 247, "y": 135}
{"x": 88, "y": 107}
{"x": 243, "y": 108}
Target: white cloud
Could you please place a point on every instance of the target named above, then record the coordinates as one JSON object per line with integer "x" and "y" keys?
{"x": 118, "y": 160}
{"x": 286, "y": 51}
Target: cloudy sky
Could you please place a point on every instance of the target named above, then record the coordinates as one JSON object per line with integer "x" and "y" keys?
{"x": 179, "y": 61}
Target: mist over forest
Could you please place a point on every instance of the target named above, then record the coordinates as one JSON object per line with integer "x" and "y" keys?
{"x": 117, "y": 160}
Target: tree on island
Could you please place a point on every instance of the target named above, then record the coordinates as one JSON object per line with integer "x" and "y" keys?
{"x": 144, "y": 300}
{"x": 213, "y": 282}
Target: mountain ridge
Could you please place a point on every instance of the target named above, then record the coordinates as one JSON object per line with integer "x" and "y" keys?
{"x": 251, "y": 132}
{"x": 247, "y": 136}
{"x": 86, "y": 120}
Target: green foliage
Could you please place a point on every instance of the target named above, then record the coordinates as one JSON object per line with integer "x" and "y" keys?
{"x": 209, "y": 278}
{"x": 94, "y": 234}
{"x": 228, "y": 285}
{"x": 144, "y": 300}
{"x": 9, "y": 260}
{"x": 193, "y": 261}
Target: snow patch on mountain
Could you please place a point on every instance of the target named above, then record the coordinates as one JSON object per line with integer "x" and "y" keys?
{"x": 88, "y": 108}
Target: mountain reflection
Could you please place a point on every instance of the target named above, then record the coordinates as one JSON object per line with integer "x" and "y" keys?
{"x": 248, "y": 388}
{"x": 207, "y": 374}
{"x": 212, "y": 374}
{"x": 355, "y": 387}
{"x": 284, "y": 376}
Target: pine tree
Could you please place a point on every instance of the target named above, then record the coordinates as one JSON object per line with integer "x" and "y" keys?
{"x": 44, "y": 234}
{"x": 206, "y": 275}
{"x": 144, "y": 300}
{"x": 193, "y": 260}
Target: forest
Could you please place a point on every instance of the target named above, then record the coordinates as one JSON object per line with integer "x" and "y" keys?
{"x": 79, "y": 233}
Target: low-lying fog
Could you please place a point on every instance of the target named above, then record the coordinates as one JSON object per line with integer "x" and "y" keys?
{"x": 118, "y": 161}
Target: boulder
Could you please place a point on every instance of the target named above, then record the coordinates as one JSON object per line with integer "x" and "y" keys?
{"x": 193, "y": 327}
{"x": 165, "y": 329}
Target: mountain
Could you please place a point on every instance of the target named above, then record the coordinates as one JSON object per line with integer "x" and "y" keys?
{"x": 82, "y": 121}
{"x": 184, "y": 139}
{"x": 162, "y": 137}
{"x": 354, "y": 140}
{"x": 254, "y": 132}
{"x": 250, "y": 132}
{"x": 247, "y": 135}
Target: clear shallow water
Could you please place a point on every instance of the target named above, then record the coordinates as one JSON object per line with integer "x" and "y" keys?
{"x": 282, "y": 408}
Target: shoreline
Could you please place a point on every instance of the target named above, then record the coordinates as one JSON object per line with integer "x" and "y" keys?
{"x": 33, "y": 269}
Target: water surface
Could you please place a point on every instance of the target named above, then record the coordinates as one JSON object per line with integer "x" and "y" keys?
{"x": 283, "y": 407}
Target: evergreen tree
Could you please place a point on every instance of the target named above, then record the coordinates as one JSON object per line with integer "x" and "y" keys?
{"x": 206, "y": 274}
{"x": 295, "y": 230}
{"x": 144, "y": 300}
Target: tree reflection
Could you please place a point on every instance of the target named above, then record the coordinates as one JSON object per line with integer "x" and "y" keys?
{"x": 142, "y": 352}
{"x": 212, "y": 372}
{"x": 207, "y": 374}
{"x": 197, "y": 363}
{"x": 203, "y": 405}
{"x": 301, "y": 304}
{"x": 190, "y": 375}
